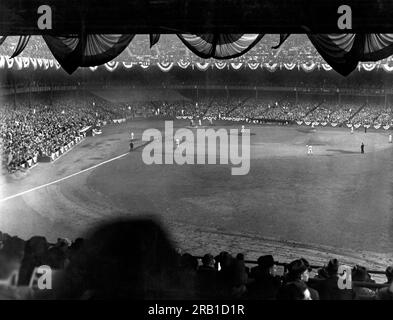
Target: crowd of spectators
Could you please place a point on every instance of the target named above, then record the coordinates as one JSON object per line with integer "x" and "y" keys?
{"x": 41, "y": 124}
{"x": 283, "y": 108}
{"x": 136, "y": 260}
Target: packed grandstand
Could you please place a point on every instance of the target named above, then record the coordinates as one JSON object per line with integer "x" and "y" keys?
{"x": 44, "y": 113}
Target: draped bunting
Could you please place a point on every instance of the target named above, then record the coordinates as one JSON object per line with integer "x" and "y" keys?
{"x": 2, "y": 39}
{"x": 308, "y": 67}
{"x": 25, "y": 62}
{"x": 86, "y": 50}
{"x": 45, "y": 63}
{"x": 145, "y": 64}
{"x": 343, "y": 52}
{"x": 349, "y": 125}
{"x": 111, "y": 66}
{"x": 340, "y": 51}
{"x": 154, "y": 39}
{"x": 271, "y": 66}
{"x": 183, "y": 64}
{"x": 202, "y": 66}
{"x": 220, "y": 65}
{"x": 220, "y": 46}
{"x": 127, "y": 65}
{"x": 34, "y": 63}
{"x": 236, "y": 65}
{"x": 165, "y": 66}
{"x": 368, "y": 66}
{"x": 387, "y": 67}
{"x": 18, "y": 62}
{"x": 10, "y": 62}
{"x": 22, "y": 43}
{"x": 290, "y": 66}
{"x": 377, "y": 46}
{"x": 326, "y": 67}
{"x": 253, "y": 65}
{"x": 283, "y": 37}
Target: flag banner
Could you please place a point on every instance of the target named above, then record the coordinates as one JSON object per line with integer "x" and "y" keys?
{"x": 183, "y": 64}
{"x": 253, "y": 65}
{"x": 220, "y": 65}
{"x": 236, "y": 65}
{"x": 290, "y": 66}
{"x": 165, "y": 66}
{"x": 127, "y": 65}
{"x": 202, "y": 66}
{"x": 111, "y": 66}
{"x": 271, "y": 66}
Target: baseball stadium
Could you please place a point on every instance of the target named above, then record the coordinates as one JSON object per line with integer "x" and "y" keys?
{"x": 317, "y": 194}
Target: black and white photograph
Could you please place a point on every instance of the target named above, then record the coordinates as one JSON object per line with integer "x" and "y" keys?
{"x": 196, "y": 150}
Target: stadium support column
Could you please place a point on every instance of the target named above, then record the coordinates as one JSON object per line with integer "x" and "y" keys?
{"x": 14, "y": 87}
{"x": 30, "y": 89}
{"x": 296, "y": 96}
{"x": 386, "y": 99}
{"x": 51, "y": 93}
{"x": 338, "y": 96}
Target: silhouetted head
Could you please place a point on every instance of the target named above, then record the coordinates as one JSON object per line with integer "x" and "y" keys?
{"x": 129, "y": 259}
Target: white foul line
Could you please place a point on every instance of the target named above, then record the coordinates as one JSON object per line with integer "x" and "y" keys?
{"x": 62, "y": 179}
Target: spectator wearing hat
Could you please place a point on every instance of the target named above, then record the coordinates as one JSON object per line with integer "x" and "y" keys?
{"x": 328, "y": 286}
{"x": 232, "y": 278}
{"x": 265, "y": 284}
{"x": 207, "y": 278}
{"x": 240, "y": 256}
{"x": 34, "y": 256}
{"x": 360, "y": 274}
{"x": 298, "y": 271}
{"x": 265, "y": 265}
{"x": 389, "y": 274}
